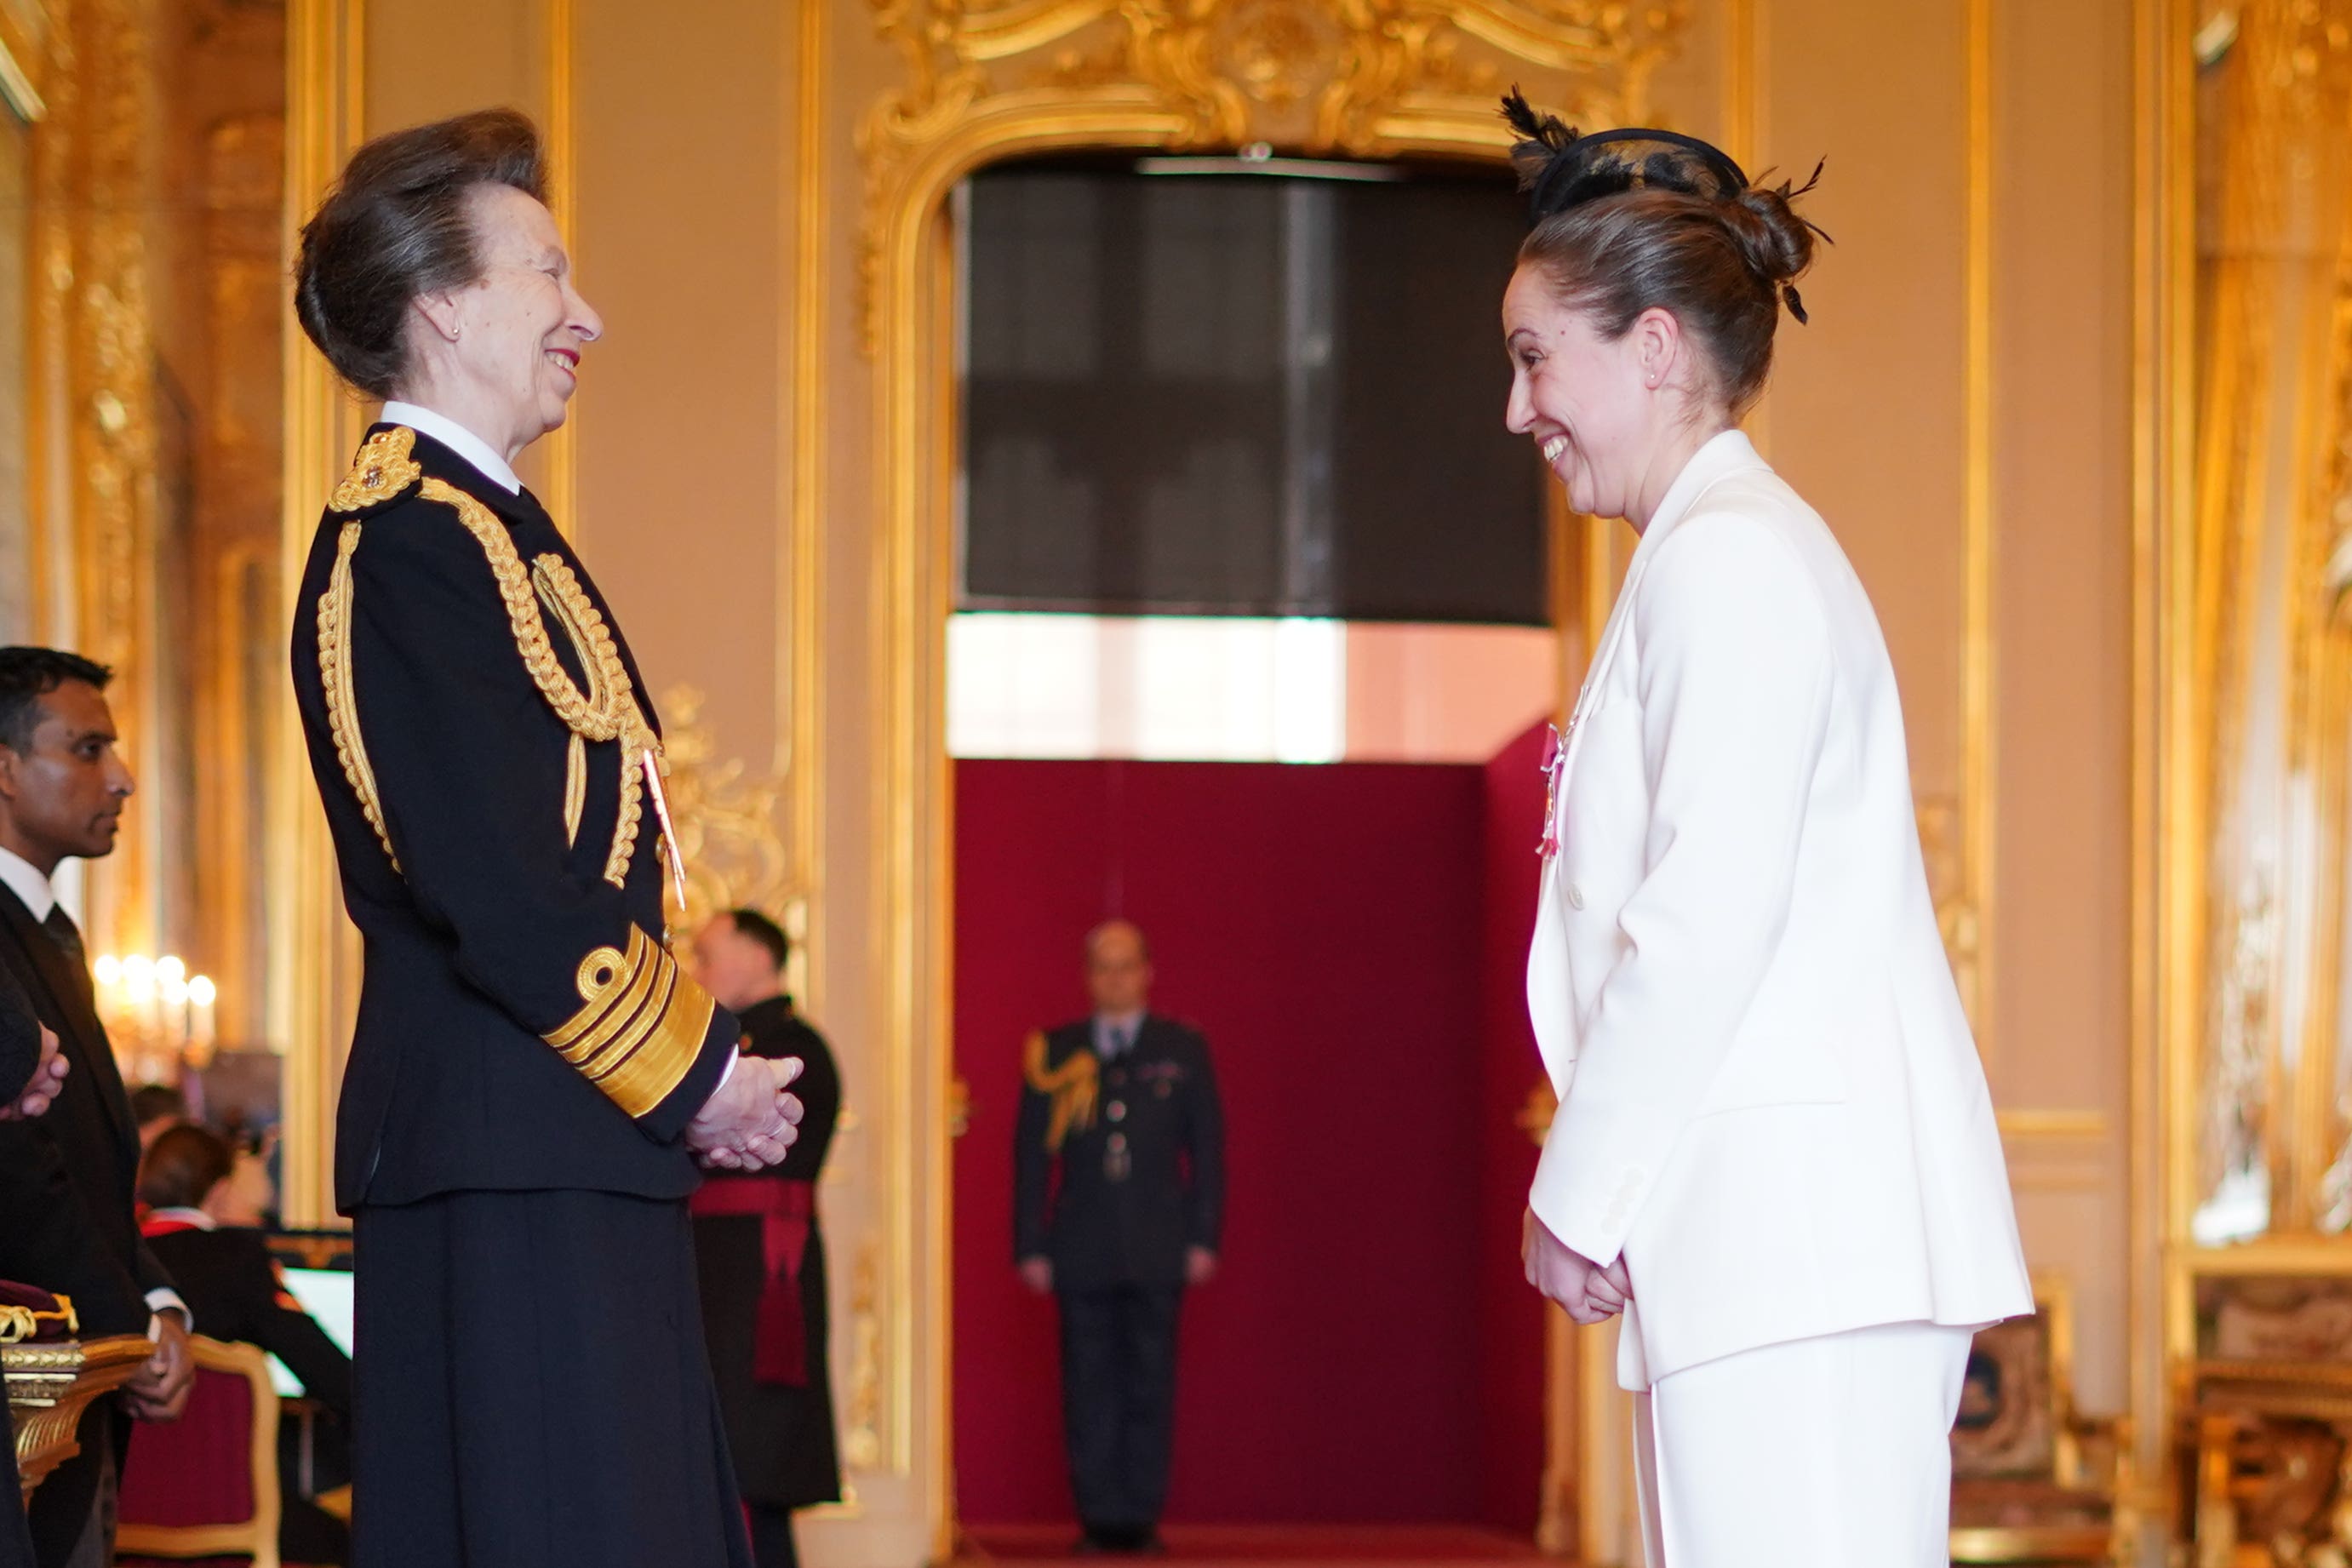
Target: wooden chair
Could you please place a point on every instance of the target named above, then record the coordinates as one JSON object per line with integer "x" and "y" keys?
{"x": 207, "y": 1484}
{"x": 2033, "y": 1480}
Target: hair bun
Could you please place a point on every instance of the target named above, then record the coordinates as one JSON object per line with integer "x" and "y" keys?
{"x": 1776, "y": 240}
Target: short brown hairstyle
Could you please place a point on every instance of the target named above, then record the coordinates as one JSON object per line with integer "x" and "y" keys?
{"x": 395, "y": 227}
{"x": 1719, "y": 267}
{"x": 186, "y": 1163}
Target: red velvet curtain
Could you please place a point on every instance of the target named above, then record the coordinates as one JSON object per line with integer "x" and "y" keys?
{"x": 1364, "y": 1357}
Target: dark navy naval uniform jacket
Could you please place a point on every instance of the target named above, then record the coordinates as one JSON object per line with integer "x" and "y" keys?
{"x": 1141, "y": 1178}
{"x": 479, "y": 734}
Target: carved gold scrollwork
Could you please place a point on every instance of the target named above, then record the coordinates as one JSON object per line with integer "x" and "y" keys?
{"x": 1359, "y": 78}
{"x": 735, "y": 854}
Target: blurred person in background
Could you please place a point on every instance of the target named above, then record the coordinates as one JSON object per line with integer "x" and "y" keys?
{"x": 206, "y": 1202}
{"x": 760, "y": 1251}
{"x": 1119, "y": 1189}
{"x": 155, "y": 1106}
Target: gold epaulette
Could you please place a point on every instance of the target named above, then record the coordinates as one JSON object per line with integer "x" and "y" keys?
{"x": 642, "y": 1025}
{"x": 1073, "y": 1087}
{"x": 383, "y": 471}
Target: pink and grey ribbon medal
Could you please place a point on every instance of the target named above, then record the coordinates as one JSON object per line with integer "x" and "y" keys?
{"x": 1555, "y": 769}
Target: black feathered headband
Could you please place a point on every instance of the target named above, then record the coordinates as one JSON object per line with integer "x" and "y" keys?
{"x": 1559, "y": 169}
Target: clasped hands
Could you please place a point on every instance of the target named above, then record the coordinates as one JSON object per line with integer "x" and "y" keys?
{"x": 1591, "y": 1294}
{"x": 750, "y": 1122}
{"x": 40, "y": 1091}
{"x": 160, "y": 1391}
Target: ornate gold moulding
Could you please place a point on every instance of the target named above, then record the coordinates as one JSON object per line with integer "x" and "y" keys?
{"x": 49, "y": 1386}
{"x": 1360, "y": 78}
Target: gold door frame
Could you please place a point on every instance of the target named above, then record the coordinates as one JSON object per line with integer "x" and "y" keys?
{"x": 314, "y": 974}
{"x": 984, "y": 83}
{"x": 2168, "y": 833}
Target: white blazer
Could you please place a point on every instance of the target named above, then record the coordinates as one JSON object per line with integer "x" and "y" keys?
{"x": 1770, "y": 1104}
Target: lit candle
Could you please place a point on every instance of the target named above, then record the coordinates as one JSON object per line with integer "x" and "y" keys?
{"x": 200, "y": 996}
{"x": 139, "y": 990}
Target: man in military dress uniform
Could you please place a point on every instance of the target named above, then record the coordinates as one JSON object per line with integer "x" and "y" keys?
{"x": 1123, "y": 1106}
{"x": 759, "y": 1245}
{"x": 532, "y": 1076}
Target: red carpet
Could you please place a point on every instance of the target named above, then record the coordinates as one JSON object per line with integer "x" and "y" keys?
{"x": 1239, "y": 1545}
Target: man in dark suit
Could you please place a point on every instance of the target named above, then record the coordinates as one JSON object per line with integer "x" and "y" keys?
{"x": 62, "y": 789}
{"x": 31, "y": 1073}
{"x": 758, "y": 1246}
{"x": 1123, "y": 1106}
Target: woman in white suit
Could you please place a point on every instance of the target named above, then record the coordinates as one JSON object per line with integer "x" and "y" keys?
{"x": 1775, "y": 1152}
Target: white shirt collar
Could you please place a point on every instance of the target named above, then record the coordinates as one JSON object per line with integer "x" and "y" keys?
{"x": 28, "y": 883}
{"x": 198, "y": 1219}
{"x": 458, "y": 438}
{"x": 1125, "y": 1026}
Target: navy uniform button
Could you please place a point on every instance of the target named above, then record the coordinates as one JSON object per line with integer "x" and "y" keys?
{"x": 1119, "y": 1142}
{"x": 1117, "y": 1110}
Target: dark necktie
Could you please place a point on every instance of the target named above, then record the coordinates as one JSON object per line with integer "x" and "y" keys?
{"x": 67, "y": 936}
{"x": 1115, "y": 1044}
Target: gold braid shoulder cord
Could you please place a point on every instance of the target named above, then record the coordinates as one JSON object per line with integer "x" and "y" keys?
{"x": 383, "y": 470}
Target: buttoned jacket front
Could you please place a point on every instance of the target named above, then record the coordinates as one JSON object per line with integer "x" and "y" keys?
{"x": 1770, "y": 1102}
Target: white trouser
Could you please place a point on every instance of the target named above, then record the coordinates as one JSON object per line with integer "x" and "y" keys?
{"x": 1824, "y": 1453}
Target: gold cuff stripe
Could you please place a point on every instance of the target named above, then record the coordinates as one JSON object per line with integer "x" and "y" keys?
{"x": 642, "y": 1027}
{"x": 608, "y": 982}
{"x": 335, "y": 674}
{"x": 659, "y": 1063}
{"x": 631, "y": 1018}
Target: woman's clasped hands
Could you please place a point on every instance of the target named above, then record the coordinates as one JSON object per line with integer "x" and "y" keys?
{"x": 1590, "y": 1293}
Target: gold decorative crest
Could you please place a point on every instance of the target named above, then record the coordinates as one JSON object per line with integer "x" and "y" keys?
{"x": 1357, "y": 79}
{"x": 382, "y": 469}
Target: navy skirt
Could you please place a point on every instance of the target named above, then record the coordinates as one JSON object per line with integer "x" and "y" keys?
{"x": 531, "y": 1388}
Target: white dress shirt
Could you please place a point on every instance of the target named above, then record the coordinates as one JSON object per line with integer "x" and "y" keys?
{"x": 1123, "y": 1027}
{"x": 24, "y": 879}
{"x": 33, "y": 889}
{"x": 458, "y": 438}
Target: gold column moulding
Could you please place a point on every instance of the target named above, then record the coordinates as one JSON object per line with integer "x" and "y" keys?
{"x": 982, "y": 84}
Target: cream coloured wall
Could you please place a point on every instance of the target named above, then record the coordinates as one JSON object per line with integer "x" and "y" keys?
{"x": 1938, "y": 416}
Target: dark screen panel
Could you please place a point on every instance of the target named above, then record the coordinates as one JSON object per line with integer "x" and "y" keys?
{"x": 1244, "y": 395}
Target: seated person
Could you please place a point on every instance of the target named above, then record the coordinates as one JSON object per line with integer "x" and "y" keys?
{"x": 155, "y": 1107}
{"x": 204, "y": 1204}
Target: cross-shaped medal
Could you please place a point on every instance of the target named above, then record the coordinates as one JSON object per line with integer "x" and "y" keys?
{"x": 1554, "y": 768}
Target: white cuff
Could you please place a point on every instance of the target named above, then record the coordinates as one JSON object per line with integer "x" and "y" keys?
{"x": 163, "y": 1298}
